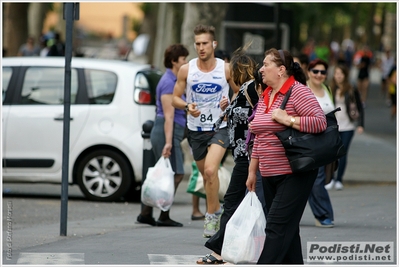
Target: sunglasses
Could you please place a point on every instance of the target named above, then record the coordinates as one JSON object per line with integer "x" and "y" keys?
{"x": 322, "y": 72}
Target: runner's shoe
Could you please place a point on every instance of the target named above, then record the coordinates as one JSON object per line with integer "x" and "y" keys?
{"x": 211, "y": 225}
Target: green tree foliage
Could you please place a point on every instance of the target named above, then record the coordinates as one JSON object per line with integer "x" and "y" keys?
{"x": 327, "y": 21}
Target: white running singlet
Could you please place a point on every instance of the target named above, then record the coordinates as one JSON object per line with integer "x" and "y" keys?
{"x": 206, "y": 89}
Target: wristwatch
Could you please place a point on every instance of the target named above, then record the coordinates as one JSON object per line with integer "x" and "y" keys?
{"x": 186, "y": 108}
{"x": 292, "y": 121}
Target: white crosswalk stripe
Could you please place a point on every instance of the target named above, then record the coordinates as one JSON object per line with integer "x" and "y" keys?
{"x": 51, "y": 258}
{"x": 79, "y": 259}
{"x": 164, "y": 259}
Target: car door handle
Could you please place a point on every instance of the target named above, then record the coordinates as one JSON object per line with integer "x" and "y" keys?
{"x": 62, "y": 118}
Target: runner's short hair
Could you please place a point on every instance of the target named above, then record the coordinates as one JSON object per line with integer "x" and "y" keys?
{"x": 200, "y": 29}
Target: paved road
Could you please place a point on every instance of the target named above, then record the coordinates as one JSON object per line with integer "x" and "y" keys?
{"x": 106, "y": 233}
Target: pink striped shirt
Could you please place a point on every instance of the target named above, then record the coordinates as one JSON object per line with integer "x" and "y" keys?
{"x": 267, "y": 147}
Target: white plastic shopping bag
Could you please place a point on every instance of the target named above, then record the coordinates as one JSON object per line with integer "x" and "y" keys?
{"x": 159, "y": 188}
{"x": 245, "y": 232}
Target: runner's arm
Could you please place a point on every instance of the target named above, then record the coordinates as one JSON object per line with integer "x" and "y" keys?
{"x": 180, "y": 88}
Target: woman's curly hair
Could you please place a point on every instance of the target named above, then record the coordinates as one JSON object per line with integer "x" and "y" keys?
{"x": 242, "y": 66}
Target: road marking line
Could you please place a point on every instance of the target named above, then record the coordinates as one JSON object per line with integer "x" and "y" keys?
{"x": 51, "y": 258}
{"x": 78, "y": 259}
{"x": 165, "y": 259}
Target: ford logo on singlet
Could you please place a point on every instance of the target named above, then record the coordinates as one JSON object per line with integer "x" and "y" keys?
{"x": 207, "y": 88}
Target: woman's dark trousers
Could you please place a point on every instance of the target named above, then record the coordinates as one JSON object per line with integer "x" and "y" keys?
{"x": 286, "y": 197}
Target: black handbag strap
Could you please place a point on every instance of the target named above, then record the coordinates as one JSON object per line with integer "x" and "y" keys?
{"x": 287, "y": 95}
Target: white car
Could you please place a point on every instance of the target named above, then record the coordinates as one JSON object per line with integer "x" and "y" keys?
{"x": 110, "y": 101}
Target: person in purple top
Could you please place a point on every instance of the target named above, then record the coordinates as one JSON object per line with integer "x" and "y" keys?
{"x": 169, "y": 128}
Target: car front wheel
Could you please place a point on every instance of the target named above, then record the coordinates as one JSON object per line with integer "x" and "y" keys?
{"x": 104, "y": 175}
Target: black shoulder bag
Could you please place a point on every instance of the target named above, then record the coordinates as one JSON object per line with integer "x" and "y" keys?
{"x": 307, "y": 151}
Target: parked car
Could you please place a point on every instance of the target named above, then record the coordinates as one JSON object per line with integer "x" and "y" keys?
{"x": 110, "y": 101}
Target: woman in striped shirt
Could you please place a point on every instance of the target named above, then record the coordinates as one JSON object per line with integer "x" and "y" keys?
{"x": 286, "y": 193}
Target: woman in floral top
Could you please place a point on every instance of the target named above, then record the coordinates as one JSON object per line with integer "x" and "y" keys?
{"x": 243, "y": 70}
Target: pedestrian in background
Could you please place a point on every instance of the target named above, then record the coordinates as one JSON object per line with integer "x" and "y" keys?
{"x": 322, "y": 50}
{"x": 319, "y": 200}
{"x": 392, "y": 90}
{"x": 303, "y": 61}
{"x": 168, "y": 130}
{"x": 56, "y": 46}
{"x": 348, "y": 47}
{"x": 309, "y": 49}
{"x": 196, "y": 214}
{"x": 43, "y": 46}
{"x": 29, "y": 49}
{"x": 343, "y": 95}
{"x": 222, "y": 54}
{"x": 387, "y": 63}
{"x": 286, "y": 193}
{"x": 243, "y": 69}
{"x": 362, "y": 60}
{"x": 205, "y": 80}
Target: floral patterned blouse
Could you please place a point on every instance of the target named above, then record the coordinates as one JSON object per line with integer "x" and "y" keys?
{"x": 237, "y": 118}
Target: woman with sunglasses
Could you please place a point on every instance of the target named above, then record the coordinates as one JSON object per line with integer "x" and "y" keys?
{"x": 319, "y": 200}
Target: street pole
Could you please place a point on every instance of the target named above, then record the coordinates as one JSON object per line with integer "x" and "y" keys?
{"x": 71, "y": 12}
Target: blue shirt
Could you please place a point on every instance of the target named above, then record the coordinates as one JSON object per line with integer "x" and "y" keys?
{"x": 165, "y": 86}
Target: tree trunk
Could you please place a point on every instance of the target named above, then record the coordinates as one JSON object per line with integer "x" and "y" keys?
{"x": 201, "y": 13}
{"x": 15, "y": 27}
{"x": 168, "y": 30}
{"x": 36, "y": 16}
{"x": 148, "y": 26}
{"x": 371, "y": 40}
{"x": 178, "y": 17}
{"x": 163, "y": 35}
{"x": 355, "y": 22}
{"x": 61, "y": 24}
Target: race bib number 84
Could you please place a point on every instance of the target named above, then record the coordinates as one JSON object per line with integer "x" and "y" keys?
{"x": 207, "y": 117}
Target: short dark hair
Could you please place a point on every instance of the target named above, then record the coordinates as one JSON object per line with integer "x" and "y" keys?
{"x": 200, "y": 29}
{"x": 172, "y": 54}
{"x": 222, "y": 55}
{"x": 303, "y": 59}
{"x": 317, "y": 61}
